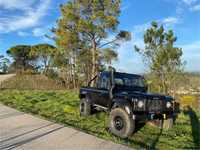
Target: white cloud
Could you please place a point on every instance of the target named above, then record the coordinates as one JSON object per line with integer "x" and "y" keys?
{"x": 194, "y": 5}
{"x": 22, "y": 34}
{"x": 170, "y": 20}
{"x": 39, "y": 32}
{"x": 183, "y": 5}
{"x": 189, "y": 2}
{"x": 30, "y": 17}
{"x": 195, "y": 8}
{"x": 16, "y": 4}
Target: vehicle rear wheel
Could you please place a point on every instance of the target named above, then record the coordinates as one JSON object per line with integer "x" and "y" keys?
{"x": 85, "y": 108}
{"x": 120, "y": 124}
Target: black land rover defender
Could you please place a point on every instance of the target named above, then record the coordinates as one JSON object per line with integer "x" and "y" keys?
{"x": 125, "y": 97}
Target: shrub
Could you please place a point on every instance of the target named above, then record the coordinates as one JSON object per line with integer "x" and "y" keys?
{"x": 31, "y": 82}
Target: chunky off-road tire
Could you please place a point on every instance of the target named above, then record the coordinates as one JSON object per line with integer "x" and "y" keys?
{"x": 120, "y": 123}
{"x": 85, "y": 108}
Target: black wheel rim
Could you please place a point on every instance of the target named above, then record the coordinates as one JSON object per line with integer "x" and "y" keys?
{"x": 118, "y": 123}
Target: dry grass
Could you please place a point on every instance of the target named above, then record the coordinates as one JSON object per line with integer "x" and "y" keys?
{"x": 31, "y": 82}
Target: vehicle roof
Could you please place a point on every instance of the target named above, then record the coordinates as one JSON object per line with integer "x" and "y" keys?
{"x": 128, "y": 74}
{"x": 125, "y": 74}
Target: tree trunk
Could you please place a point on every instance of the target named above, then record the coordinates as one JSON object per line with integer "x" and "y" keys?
{"x": 94, "y": 69}
{"x": 45, "y": 64}
{"x": 74, "y": 70}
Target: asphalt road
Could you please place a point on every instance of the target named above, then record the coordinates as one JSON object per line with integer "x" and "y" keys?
{"x": 20, "y": 131}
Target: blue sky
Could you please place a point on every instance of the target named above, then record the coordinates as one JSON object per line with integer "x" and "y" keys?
{"x": 26, "y": 22}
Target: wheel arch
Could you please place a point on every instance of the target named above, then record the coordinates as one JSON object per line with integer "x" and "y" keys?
{"x": 86, "y": 96}
{"x": 81, "y": 96}
{"x": 124, "y": 104}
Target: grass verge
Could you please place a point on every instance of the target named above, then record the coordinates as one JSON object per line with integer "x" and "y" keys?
{"x": 63, "y": 107}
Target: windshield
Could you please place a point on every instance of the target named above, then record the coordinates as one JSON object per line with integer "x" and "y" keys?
{"x": 129, "y": 80}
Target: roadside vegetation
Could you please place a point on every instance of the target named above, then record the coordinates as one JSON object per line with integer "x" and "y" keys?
{"x": 63, "y": 107}
{"x": 31, "y": 82}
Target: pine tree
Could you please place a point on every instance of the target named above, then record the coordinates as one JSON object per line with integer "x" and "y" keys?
{"x": 163, "y": 58}
{"x": 84, "y": 27}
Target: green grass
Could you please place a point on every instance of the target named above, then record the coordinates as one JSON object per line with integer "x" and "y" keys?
{"x": 63, "y": 107}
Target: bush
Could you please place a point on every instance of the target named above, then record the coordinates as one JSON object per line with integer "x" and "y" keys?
{"x": 31, "y": 82}
{"x": 51, "y": 74}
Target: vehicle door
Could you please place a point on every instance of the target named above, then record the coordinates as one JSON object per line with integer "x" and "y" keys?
{"x": 94, "y": 91}
{"x": 103, "y": 90}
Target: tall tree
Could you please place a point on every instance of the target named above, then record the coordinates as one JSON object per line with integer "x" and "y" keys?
{"x": 44, "y": 54}
{"x": 86, "y": 24}
{"x": 164, "y": 59}
{"x": 21, "y": 57}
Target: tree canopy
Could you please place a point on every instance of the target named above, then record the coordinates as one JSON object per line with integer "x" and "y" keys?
{"x": 21, "y": 56}
{"x": 44, "y": 54}
{"x": 162, "y": 57}
{"x": 83, "y": 31}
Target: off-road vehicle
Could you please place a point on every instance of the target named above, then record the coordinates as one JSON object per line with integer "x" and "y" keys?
{"x": 126, "y": 99}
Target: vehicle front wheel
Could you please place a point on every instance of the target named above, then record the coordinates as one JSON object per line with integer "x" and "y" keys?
{"x": 85, "y": 108}
{"x": 120, "y": 123}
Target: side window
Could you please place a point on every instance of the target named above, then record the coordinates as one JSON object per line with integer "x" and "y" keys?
{"x": 103, "y": 82}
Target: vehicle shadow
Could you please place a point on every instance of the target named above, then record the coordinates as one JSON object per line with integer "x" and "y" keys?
{"x": 155, "y": 141}
{"x": 195, "y": 125}
{"x": 143, "y": 144}
{"x": 138, "y": 126}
